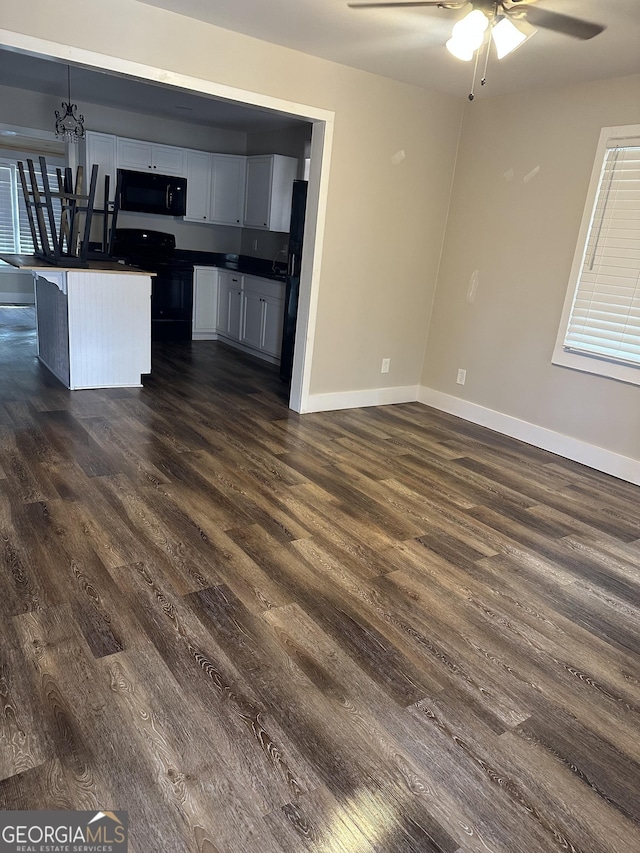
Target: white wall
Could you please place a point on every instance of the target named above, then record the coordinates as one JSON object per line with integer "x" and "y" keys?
{"x": 520, "y": 185}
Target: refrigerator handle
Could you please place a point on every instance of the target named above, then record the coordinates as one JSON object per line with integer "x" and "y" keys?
{"x": 292, "y": 264}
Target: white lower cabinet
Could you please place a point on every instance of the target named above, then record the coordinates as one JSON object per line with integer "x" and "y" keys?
{"x": 243, "y": 310}
{"x": 252, "y": 319}
{"x": 263, "y": 302}
{"x": 273, "y": 325}
{"x": 229, "y": 304}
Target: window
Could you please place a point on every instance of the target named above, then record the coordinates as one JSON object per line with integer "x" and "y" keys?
{"x": 600, "y": 327}
{"x": 15, "y": 233}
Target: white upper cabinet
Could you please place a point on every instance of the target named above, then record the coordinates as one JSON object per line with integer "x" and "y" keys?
{"x": 140, "y": 156}
{"x": 100, "y": 149}
{"x": 268, "y": 192}
{"x": 228, "y": 182}
{"x": 222, "y": 189}
{"x": 257, "y": 198}
{"x": 215, "y": 188}
{"x": 198, "y": 166}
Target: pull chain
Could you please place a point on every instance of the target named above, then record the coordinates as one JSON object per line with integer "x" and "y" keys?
{"x": 486, "y": 62}
{"x": 475, "y": 73}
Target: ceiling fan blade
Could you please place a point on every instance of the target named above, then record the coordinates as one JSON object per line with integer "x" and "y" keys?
{"x": 441, "y": 3}
{"x": 569, "y": 26}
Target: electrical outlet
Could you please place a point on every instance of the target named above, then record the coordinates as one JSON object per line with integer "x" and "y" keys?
{"x": 386, "y": 364}
{"x": 462, "y": 376}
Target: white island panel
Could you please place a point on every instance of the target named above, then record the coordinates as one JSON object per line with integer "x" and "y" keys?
{"x": 109, "y": 329}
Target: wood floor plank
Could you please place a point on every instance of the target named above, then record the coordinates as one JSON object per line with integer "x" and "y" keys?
{"x": 383, "y": 629}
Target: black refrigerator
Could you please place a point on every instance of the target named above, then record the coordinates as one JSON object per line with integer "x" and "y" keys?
{"x": 292, "y": 293}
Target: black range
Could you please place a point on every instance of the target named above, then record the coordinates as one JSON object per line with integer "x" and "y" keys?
{"x": 172, "y": 285}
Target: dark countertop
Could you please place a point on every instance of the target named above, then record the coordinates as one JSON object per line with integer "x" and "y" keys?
{"x": 263, "y": 267}
{"x": 33, "y": 262}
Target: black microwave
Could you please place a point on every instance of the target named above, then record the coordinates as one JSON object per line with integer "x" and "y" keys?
{"x": 147, "y": 192}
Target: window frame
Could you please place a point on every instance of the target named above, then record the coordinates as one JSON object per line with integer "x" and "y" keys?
{"x": 582, "y": 361}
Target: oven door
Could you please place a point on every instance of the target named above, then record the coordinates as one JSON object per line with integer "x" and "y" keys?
{"x": 172, "y": 305}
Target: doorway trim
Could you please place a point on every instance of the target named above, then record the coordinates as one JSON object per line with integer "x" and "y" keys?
{"x": 321, "y": 144}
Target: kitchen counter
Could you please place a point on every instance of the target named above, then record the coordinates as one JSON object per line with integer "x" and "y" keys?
{"x": 262, "y": 267}
{"x": 34, "y": 263}
{"x": 93, "y": 323}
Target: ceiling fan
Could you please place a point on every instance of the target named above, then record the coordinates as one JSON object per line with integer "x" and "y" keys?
{"x": 509, "y": 22}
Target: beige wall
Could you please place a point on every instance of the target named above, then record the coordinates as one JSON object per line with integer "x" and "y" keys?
{"x": 25, "y": 108}
{"x": 384, "y": 222}
{"x": 520, "y": 235}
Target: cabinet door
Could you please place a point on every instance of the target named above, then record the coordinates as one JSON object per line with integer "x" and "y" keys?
{"x": 258, "y": 192}
{"x": 273, "y": 325}
{"x": 100, "y": 148}
{"x": 235, "y": 313}
{"x": 252, "y": 319}
{"x": 229, "y": 304}
{"x": 205, "y": 302}
{"x": 222, "y": 313}
{"x": 134, "y": 154}
{"x": 228, "y": 181}
{"x": 198, "y": 186}
{"x": 168, "y": 160}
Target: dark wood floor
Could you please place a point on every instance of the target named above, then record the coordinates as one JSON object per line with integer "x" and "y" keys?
{"x": 374, "y": 630}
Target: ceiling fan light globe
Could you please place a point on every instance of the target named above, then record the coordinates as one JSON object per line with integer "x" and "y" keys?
{"x": 472, "y": 26}
{"x": 506, "y": 37}
{"x": 468, "y": 35}
{"x": 460, "y": 49}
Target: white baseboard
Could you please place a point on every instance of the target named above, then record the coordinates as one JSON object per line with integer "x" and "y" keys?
{"x": 17, "y": 299}
{"x": 623, "y": 467}
{"x": 360, "y": 399}
{"x": 204, "y": 336}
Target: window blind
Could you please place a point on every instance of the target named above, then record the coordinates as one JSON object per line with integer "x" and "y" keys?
{"x": 8, "y": 208}
{"x": 15, "y": 233}
{"x": 605, "y": 317}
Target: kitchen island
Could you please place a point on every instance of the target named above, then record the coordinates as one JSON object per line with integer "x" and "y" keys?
{"x": 93, "y": 323}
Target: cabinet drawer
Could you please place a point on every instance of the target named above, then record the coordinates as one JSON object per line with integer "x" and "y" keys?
{"x": 264, "y": 286}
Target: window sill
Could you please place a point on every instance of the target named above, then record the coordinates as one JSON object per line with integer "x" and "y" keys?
{"x": 596, "y": 366}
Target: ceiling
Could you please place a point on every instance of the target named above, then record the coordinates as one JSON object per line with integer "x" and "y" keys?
{"x": 404, "y": 44}
{"x": 89, "y": 86}
{"x": 408, "y": 44}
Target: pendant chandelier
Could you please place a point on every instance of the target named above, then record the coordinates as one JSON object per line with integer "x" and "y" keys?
{"x": 69, "y": 126}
